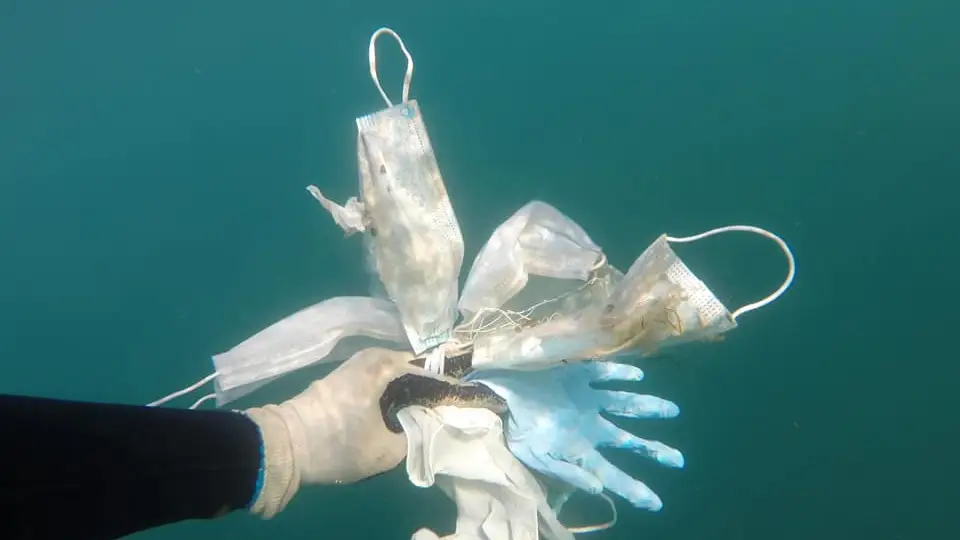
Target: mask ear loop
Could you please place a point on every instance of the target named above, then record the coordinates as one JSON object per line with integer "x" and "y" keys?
{"x": 373, "y": 65}
{"x": 599, "y": 526}
{"x": 200, "y": 401}
{"x": 756, "y": 230}
{"x": 186, "y": 391}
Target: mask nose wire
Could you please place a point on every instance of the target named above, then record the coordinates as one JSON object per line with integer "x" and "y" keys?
{"x": 407, "y": 79}
{"x": 185, "y": 391}
{"x": 791, "y": 263}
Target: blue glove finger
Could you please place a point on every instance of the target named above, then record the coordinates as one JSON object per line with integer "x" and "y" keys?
{"x": 634, "y": 491}
{"x": 555, "y": 426}
{"x": 610, "y": 436}
{"x": 604, "y": 372}
{"x": 574, "y": 475}
{"x": 550, "y": 466}
{"x": 632, "y": 405}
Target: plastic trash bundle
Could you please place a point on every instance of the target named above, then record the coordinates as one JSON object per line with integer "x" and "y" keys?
{"x": 537, "y": 253}
{"x": 539, "y": 305}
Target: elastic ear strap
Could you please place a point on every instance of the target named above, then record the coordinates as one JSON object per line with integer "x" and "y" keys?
{"x": 185, "y": 391}
{"x": 762, "y": 232}
{"x": 373, "y": 65}
{"x": 599, "y": 526}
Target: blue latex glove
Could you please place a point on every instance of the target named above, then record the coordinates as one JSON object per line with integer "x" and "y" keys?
{"x": 555, "y": 425}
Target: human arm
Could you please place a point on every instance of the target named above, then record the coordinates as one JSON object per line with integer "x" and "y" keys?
{"x": 91, "y": 471}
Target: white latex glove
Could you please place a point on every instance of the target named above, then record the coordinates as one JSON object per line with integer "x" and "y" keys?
{"x": 335, "y": 431}
{"x": 461, "y": 450}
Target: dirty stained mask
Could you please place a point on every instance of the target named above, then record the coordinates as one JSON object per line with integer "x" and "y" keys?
{"x": 536, "y": 253}
{"x": 411, "y": 235}
{"x": 658, "y": 303}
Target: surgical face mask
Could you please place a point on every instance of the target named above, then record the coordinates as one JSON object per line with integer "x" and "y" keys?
{"x": 412, "y": 237}
{"x": 659, "y": 302}
{"x": 537, "y": 240}
{"x": 536, "y": 265}
{"x": 328, "y": 332}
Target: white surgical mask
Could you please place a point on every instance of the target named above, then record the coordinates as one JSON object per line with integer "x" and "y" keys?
{"x": 327, "y": 332}
{"x": 412, "y": 236}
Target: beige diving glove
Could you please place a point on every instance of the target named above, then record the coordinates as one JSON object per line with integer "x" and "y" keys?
{"x": 343, "y": 428}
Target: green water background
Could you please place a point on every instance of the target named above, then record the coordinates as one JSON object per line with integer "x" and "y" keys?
{"x": 153, "y": 158}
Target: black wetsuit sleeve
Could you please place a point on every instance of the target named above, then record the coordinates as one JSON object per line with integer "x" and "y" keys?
{"x": 89, "y": 471}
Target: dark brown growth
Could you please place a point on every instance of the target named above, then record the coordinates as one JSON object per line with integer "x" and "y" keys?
{"x": 411, "y": 389}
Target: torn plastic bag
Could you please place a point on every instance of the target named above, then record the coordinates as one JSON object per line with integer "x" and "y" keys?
{"x": 412, "y": 238}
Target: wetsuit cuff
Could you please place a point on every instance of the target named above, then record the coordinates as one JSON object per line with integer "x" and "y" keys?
{"x": 279, "y": 477}
{"x": 258, "y": 487}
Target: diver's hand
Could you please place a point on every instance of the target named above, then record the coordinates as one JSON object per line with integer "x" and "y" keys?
{"x": 337, "y": 431}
